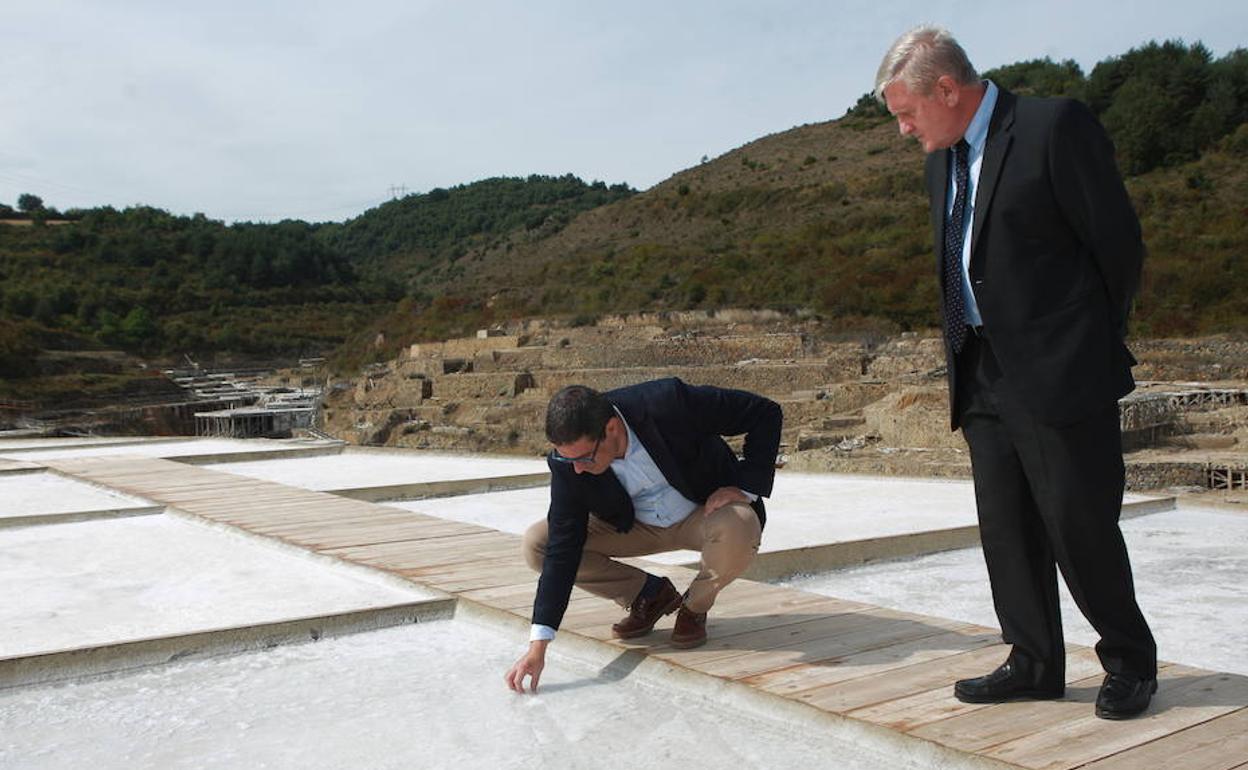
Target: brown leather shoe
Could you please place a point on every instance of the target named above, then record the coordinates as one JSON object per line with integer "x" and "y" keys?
{"x": 690, "y": 630}
{"x": 644, "y": 613}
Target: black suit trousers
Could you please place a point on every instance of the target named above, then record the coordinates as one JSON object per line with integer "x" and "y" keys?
{"x": 1049, "y": 498}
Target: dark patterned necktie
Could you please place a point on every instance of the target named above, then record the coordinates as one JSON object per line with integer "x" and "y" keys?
{"x": 955, "y": 308}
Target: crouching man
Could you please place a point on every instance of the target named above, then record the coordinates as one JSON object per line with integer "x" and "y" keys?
{"x": 642, "y": 470}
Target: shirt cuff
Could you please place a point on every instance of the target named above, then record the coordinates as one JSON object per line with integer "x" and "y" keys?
{"x": 749, "y": 495}
{"x": 540, "y": 633}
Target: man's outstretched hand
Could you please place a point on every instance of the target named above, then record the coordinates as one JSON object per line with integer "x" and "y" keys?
{"x": 723, "y": 496}
{"x": 530, "y": 665}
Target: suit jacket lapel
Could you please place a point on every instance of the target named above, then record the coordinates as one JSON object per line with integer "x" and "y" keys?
{"x": 995, "y": 150}
{"x": 612, "y": 497}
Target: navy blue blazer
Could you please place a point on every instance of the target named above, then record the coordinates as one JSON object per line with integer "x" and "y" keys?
{"x": 681, "y": 426}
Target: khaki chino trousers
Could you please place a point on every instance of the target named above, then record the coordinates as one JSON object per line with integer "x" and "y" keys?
{"x": 728, "y": 540}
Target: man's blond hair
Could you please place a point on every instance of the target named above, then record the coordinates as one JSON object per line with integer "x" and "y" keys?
{"x": 920, "y": 57}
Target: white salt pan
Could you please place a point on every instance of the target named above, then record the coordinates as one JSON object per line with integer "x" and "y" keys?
{"x": 40, "y": 494}
{"x": 424, "y": 696}
{"x": 1191, "y": 577}
{"x": 91, "y": 583}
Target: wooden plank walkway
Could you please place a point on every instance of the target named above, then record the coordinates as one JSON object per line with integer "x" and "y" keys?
{"x": 883, "y": 667}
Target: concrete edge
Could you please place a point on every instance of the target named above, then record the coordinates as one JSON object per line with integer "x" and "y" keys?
{"x": 1152, "y": 505}
{"x": 208, "y": 459}
{"x": 42, "y": 519}
{"x": 102, "y": 442}
{"x": 896, "y": 748}
{"x": 1188, "y": 502}
{"x": 125, "y": 657}
{"x": 26, "y": 467}
{"x": 430, "y": 489}
{"x": 399, "y": 451}
{"x": 270, "y": 454}
{"x": 778, "y": 565}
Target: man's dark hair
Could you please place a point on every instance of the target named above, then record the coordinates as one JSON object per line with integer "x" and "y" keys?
{"x": 577, "y": 412}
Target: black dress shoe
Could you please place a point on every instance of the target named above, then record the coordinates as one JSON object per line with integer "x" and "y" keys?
{"x": 1011, "y": 681}
{"x": 1123, "y": 696}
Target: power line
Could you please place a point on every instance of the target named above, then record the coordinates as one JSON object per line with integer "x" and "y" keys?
{"x": 25, "y": 180}
{"x": 306, "y": 214}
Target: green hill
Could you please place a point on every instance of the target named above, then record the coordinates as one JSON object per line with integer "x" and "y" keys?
{"x": 832, "y": 217}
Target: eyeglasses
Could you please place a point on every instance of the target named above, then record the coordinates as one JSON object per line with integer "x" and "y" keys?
{"x": 582, "y": 460}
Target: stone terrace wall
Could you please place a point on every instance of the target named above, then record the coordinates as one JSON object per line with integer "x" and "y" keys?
{"x": 849, "y": 402}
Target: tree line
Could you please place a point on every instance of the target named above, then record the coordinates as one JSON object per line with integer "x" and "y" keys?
{"x": 149, "y": 281}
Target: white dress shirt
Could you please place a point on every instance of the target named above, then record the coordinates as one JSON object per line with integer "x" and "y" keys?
{"x": 655, "y": 501}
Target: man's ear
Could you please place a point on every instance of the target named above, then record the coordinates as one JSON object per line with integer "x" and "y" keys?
{"x": 947, "y": 91}
{"x": 614, "y": 425}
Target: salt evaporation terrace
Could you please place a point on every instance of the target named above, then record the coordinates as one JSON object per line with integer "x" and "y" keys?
{"x": 815, "y": 521}
{"x": 93, "y": 583}
{"x": 167, "y": 623}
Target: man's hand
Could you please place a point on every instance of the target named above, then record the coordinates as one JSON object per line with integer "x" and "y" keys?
{"x": 723, "y": 496}
{"x": 530, "y": 665}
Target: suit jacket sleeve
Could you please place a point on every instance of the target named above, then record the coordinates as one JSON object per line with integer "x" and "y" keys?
{"x": 1091, "y": 194}
{"x": 567, "y": 523}
{"x": 727, "y": 412}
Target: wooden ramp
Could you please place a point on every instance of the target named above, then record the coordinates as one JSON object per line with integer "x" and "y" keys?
{"x": 892, "y": 670}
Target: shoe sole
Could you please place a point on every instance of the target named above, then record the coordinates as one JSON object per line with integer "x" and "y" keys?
{"x": 688, "y": 643}
{"x": 1017, "y": 696}
{"x": 672, "y": 606}
{"x": 1116, "y": 716}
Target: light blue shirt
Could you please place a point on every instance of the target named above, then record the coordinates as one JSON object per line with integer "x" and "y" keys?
{"x": 655, "y": 501}
{"x": 976, "y": 136}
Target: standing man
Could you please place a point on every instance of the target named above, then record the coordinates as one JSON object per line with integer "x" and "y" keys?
{"x": 641, "y": 470}
{"x": 1040, "y": 256}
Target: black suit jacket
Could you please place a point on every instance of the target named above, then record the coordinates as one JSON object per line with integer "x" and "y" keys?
{"x": 1055, "y": 257}
{"x": 681, "y": 426}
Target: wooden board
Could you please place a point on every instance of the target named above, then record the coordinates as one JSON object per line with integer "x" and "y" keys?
{"x": 1185, "y": 697}
{"x": 1218, "y": 744}
{"x": 813, "y": 674}
{"x": 910, "y": 712}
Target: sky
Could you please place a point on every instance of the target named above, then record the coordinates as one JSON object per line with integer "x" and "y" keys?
{"x": 264, "y": 110}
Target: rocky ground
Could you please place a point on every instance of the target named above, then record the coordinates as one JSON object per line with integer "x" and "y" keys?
{"x": 859, "y": 404}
